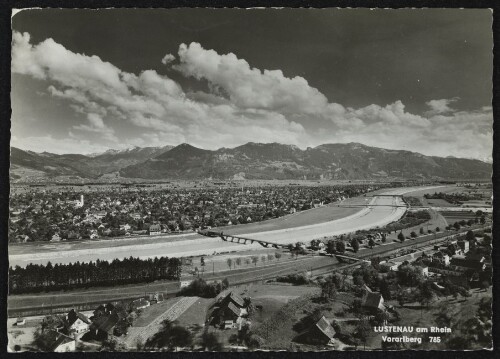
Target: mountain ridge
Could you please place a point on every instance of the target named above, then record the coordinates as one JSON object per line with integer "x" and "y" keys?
{"x": 250, "y": 161}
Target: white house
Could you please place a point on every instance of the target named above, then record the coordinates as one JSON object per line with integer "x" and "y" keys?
{"x": 56, "y": 238}
{"x": 77, "y": 322}
{"x": 125, "y": 227}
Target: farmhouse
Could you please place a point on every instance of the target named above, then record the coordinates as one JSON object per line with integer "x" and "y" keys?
{"x": 54, "y": 341}
{"x": 154, "y": 229}
{"x": 372, "y": 301}
{"x": 77, "y": 322}
{"x": 231, "y": 311}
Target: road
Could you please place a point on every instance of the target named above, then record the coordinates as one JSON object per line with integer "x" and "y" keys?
{"x": 379, "y": 211}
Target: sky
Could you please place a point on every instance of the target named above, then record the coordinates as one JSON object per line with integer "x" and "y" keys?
{"x": 84, "y": 81}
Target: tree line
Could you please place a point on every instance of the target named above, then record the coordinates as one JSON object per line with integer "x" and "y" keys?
{"x": 38, "y": 277}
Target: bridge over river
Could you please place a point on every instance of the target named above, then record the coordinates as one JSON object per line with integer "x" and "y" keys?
{"x": 380, "y": 210}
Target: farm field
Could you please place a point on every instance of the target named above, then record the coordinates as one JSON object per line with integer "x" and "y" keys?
{"x": 152, "y": 312}
{"x": 437, "y": 202}
{"x": 196, "y": 315}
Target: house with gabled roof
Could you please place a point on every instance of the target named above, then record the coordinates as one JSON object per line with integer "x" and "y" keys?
{"x": 154, "y": 229}
{"x": 372, "y": 300}
{"x": 235, "y": 299}
{"x": 320, "y": 333}
{"x": 231, "y": 311}
{"x": 77, "y": 322}
{"x": 102, "y": 327}
{"x": 54, "y": 341}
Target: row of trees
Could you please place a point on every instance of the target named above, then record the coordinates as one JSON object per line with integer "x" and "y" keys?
{"x": 232, "y": 263}
{"x": 173, "y": 336}
{"x": 38, "y": 277}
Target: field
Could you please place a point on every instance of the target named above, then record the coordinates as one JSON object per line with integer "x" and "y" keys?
{"x": 152, "y": 312}
{"x": 269, "y": 297}
{"x": 281, "y": 329}
{"x": 196, "y": 315}
{"x": 437, "y": 202}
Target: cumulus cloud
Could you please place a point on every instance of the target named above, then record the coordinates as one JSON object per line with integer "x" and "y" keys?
{"x": 249, "y": 87}
{"x": 466, "y": 134}
{"x": 440, "y": 106}
{"x": 168, "y": 58}
{"x": 149, "y": 100}
{"x": 242, "y": 104}
{"x": 96, "y": 125}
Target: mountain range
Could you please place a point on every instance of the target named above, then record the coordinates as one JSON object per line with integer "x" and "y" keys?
{"x": 249, "y": 161}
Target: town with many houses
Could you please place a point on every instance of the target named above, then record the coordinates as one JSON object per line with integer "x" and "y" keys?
{"x": 62, "y": 215}
{"x": 413, "y": 271}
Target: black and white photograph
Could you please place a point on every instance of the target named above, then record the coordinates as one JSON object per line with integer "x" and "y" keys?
{"x": 261, "y": 179}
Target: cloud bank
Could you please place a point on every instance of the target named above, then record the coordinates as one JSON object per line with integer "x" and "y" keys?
{"x": 242, "y": 104}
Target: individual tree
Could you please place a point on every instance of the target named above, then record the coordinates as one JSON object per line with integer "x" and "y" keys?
{"x": 456, "y": 225}
{"x": 238, "y": 261}
{"x": 409, "y": 275}
{"x": 384, "y": 237}
{"x": 51, "y": 322}
{"x": 263, "y": 259}
{"x": 356, "y": 306}
{"x": 229, "y": 262}
{"x": 421, "y": 231}
{"x": 277, "y": 255}
{"x": 470, "y": 236}
{"x": 255, "y": 259}
{"x": 355, "y": 245}
{"x": 438, "y": 229}
{"x": 381, "y": 317}
{"x": 413, "y": 234}
{"x": 315, "y": 244}
{"x": 426, "y": 294}
{"x": 331, "y": 246}
{"x": 270, "y": 257}
{"x": 340, "y": 246}
{"x": 362, "y": 331}
{"x": 210, "y": 342}
{"x": 328, "y": 289}
{"x": 180, "y": 337}
{"x": 401, "y": 237}
{"x": 371, "y": 243}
